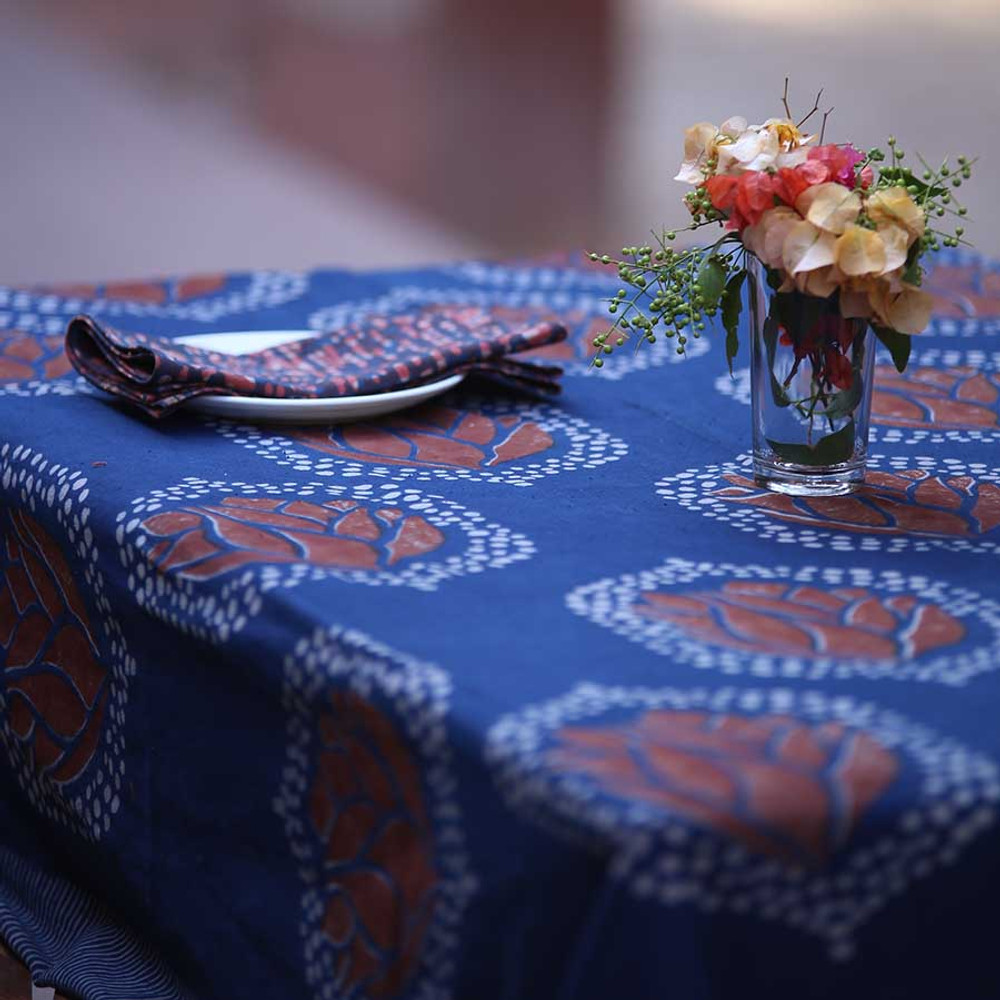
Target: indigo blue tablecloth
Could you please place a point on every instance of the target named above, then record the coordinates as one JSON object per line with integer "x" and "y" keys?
{"x": 496, "y": 698}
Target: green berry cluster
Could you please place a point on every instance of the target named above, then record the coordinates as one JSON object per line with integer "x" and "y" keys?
{"x": 934, "y": 191}
{"x": 674, "y": 291}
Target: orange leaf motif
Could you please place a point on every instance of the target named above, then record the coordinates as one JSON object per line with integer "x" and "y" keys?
{"x": 366, "y": 806}
{"x": 55, "y": 685}
{"x": 432, "y": 436}
{"x": 25, "y": 357}
{"x": 153, "y": 293}
{"x": 962, "y": 291}
{"x": 961, "y": 397}
{"x": 785, "y": 619}
{"x": 911, "y": 502}
{"x": 204, "y": 541}
{"x": 780, "y": 786}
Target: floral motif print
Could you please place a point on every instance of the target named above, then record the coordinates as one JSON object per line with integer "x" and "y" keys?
{"x": 468, "y": 438}
{"x": 24, "y": 357}
{"x": 962, "y": 397}
{"x": 767, "y": 803}
{"x": 809, "y": 623}
{"x": 147, "y": 292}
{"x": 781, "y": 787}
{"x": 203, "y": 542}
{"x": 55, "y": 687}
{"x": 367, "y": 809}
{"x": 964, "y": 289}
{"x": 370, "y": 809}
{"x": 912, "y": 501}
{"x": 204, "y": 554}
{"x": 433, "y": 436}
{"x": 795, "y": 620}
{"x": 66, "y": 664}
{"x": 201, "y": 298}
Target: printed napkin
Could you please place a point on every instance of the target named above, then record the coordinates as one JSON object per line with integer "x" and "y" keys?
{"x": 374, "y": 355}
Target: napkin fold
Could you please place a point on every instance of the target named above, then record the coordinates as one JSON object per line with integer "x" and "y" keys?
{"x": 374, "y": 355}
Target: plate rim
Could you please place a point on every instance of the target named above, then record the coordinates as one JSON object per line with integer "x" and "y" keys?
{"x": 314, "y": 402}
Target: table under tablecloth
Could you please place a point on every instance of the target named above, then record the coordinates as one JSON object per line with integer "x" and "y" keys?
{"x": 496, "y": 698}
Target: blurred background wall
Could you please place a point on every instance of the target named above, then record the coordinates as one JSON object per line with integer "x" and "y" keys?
{"x": 163, "y": 136}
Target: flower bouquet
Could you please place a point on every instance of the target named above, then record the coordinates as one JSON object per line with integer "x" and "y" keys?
{"x": 825, "y": 244}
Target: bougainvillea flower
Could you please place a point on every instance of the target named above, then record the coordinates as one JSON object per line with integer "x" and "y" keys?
{"x": 733, "y": 128}
{"x": 906, "y": 308}
{"x": 855, "y": 303}
{"x": 840, "y": 162}
{"x": 822, "y": 282}
{"x": 702, "y": 141}
{"x": 897, "y": 242}
{"x": 774, "y": 145}
{"x": 699, "y": 141}
{"x": 829, "y": 206}
{"x": 790, "y": 182}
{"x": 807, "y": 248}
{"x": 754, "y": 195}
{"x": 722, "y": 190}
{"x": 790, "y": 138}
{"x": 860, "y": 252}
{"x": 894, "y": 204}
{"x": 766, "y": 239}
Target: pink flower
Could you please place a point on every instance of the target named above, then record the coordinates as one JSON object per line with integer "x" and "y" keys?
{"x": 790, "y": 182}
{"x": 840, "y": 162}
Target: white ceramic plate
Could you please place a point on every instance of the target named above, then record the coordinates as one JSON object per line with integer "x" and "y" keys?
{"x": 299, "y": 411}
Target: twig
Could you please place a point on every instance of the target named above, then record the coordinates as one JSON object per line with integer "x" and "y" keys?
{"x": 815, "y": 108}
{"x": 784, "y": 100}
{"x": 822, "y": 131}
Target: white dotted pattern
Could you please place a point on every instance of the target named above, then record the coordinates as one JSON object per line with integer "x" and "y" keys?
{"x": 48, "y": 313}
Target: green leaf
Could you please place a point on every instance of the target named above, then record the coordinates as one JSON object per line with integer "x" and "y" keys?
{"x": 897, "y": 344}
{"x": 905, "y": 177}
{"x": 732, "y": 305}
{"x": 830, "y": 450}
{"x": 913, "y": 273}
{"x": 711, "y": 280}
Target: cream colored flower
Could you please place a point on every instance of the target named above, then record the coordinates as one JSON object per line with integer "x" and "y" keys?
{"x": 855, "y": 303}
{"x": 807, "y": 248}
{"x": 699, "y": 145}
{"x": 894, "y": 205}
{"x": 753, "y": 150}
{"x": 860, "y": 252}
{"x": 901, "y": 307}
{"x": 775, "y": 144}
{"x": 789, "y": 136}
{"x": 897, "y": 242}
{"x": 733, "y": 127}
{"x": 822, "y": 282}
{"x": 830, "y": 206}
{"x": 767, "y": 238}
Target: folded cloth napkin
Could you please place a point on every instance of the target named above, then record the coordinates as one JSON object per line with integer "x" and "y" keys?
{"x": 374, "y": 355}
